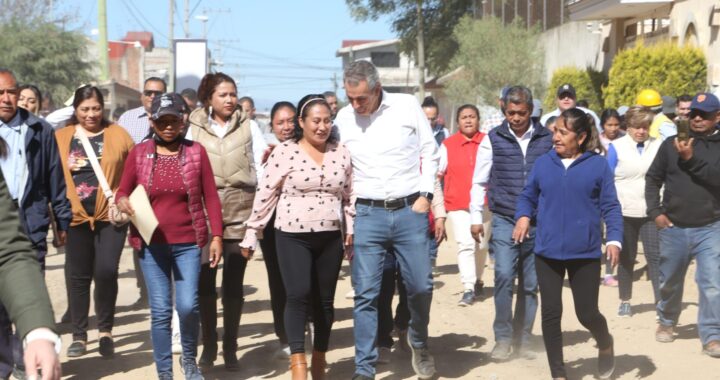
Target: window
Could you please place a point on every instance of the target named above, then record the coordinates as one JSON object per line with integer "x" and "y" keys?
{"x": 385, "y": 59}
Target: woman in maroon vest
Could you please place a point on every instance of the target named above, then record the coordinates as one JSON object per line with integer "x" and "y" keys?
{"x": 177, "y": 176}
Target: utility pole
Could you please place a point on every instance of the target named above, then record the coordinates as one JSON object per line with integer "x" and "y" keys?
{"x": 186, "y": 21}
{"x": 421, "y": 50}
{"x": 103, "y": 41}
{"x": 171, "y": 49}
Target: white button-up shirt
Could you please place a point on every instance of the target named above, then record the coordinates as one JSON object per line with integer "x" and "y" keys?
{"x": 481, "y": 176}
{"x": 389, "y": 147}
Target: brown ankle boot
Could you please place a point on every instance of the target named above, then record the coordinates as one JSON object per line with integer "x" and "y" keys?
{"x": 298, "y": 366}
{"x": 317, "y": 365}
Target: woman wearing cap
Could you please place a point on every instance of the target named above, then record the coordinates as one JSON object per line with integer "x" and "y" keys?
{"x": 93, "y": 244}
{"x": 308, "y": 181}
{"x": 178, "y": 179}
{"x": 569, "y": 191}
{"x": 235, "y": 148}
{"x": 630, "y": 157}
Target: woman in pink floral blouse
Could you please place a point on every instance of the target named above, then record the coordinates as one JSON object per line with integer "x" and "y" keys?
{"x": 309, "y": 180}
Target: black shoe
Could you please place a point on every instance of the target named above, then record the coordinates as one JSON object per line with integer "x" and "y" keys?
{"x": 231, "y": 362}
{"x": 479, "y": 290}
{"x": 207, "y": 359}
{"x": 606, "y": 362}
{"x": 107, "y": 347}
{"x": 77, "y": 348}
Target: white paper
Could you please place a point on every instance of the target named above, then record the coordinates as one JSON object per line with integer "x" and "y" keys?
{"x": 144, "y": 219}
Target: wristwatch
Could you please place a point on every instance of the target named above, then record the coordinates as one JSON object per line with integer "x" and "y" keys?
{"x": 427, "y": 195}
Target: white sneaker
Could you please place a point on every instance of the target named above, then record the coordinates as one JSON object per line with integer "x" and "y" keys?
{"x": 383, "y": 355}
{"x": 350, "y": 295}
{"x": 176, "y": 348}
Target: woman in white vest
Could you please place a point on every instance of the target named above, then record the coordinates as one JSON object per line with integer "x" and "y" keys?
{"x": 630, "y": 157}
{"x": 235, "y": 148}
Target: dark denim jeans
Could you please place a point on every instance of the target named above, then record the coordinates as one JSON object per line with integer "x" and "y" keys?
{"x": 513, "y": 261}
{"x": 678, "y": 246}
{"x": 378, "y": 230}
{"x": 166, "y": 266}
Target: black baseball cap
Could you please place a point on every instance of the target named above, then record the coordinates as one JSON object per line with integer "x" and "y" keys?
{"x": 566, "y": 88}
{"x": 705, "y": 102}
{"x": 170, "y": 103}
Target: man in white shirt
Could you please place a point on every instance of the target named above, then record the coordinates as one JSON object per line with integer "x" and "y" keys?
{"x": 504, "y": 161}
{"x": 390, "y": 140}
{"x": 566, "y": 99}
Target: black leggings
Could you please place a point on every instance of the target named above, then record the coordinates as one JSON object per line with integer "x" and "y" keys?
{"x": 93, "y": 255}
{"x": 234, "y": 265}
{"x": 584, "y": 275}
{"x": 277, "y": 289}
{"x": 310, "y": 266}
{"x": 645, "y": 229}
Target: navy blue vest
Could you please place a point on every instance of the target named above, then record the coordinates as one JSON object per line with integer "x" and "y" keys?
{"x": 510, "y": 169}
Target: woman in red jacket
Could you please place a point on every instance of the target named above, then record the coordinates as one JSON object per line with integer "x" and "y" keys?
{"x": 457, "y": 164}
{"x": 177, "y": 176}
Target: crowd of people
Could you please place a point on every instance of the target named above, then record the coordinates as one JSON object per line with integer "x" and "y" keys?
{"x": 373, "y": 182}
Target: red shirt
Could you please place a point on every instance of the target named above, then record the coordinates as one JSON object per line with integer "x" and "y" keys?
{"x": 461, "y": 154}
{"x": 169, "y": 198}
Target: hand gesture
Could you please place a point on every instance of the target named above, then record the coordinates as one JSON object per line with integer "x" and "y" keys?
{"x": 684, "y": 148}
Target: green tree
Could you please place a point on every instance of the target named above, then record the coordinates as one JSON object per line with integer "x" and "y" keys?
{"x": 43, "y": 54}
{"x": 491, "y": 56}
{"x": 587, "y": 83}
{"x": 667, "y": 68}
{"x": 439, "y": 19}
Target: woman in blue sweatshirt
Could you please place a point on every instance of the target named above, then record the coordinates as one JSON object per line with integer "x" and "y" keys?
{"x": 569, "y": 191}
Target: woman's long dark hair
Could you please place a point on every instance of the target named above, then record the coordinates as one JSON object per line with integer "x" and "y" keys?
{"x": 580, "y": 122}
{"x": 84, "y": 93}
{"x": 304, "y": 105}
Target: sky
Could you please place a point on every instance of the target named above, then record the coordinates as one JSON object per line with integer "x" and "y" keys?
{"x": 274, "y": 49}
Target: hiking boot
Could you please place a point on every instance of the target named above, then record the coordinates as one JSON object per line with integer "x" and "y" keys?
{"x": 664, "y": 334}
{"x": 467, "y": 299}
{"x": 625, "y": 310}
{"x": 422, "y": 362}
{"x": 501, "y": 351}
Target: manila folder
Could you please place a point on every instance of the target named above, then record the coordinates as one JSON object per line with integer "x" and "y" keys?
{"x": 144, "y": 218}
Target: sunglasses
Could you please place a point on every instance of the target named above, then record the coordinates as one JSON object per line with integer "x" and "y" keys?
{"x": 703, "y": 115}
{"x": 150, "y": 93}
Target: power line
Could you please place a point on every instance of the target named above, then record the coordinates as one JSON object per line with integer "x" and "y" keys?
{"x": 277, "y": 59}
{"x": 131, "y": 4}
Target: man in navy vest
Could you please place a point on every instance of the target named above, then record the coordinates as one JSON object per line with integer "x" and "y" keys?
{"x": 504, "y": 161}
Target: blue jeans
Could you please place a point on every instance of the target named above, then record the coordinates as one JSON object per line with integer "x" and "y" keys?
{"x": 678, "y": 246}
{"x": 377, "y": 231}
{"x": 163, "y": 266}
{"x": 513, "y": 261}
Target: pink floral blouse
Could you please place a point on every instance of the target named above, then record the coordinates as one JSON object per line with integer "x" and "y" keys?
{"x": 308, "y": 197}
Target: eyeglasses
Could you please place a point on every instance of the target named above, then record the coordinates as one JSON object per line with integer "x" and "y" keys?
{"x": 150, "y": 93}
{"x": 565, "y": 96}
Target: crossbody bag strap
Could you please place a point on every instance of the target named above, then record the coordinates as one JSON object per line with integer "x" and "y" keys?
{"x": 90, "y": 152}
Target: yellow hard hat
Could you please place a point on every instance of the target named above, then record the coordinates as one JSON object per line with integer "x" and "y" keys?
{"x": 649, "y": 98}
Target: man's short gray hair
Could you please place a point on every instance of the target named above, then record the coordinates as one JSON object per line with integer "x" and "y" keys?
{"x": 519, "y": 95}
{"x": 7, "y": 71}
{"x": 359, "y": 71}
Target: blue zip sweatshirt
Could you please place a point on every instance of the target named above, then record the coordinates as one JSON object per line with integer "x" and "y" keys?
{"x": 569, "y": 204}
